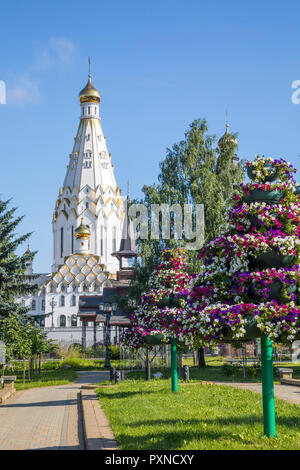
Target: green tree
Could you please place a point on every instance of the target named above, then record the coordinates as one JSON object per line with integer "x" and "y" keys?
{"x": 13, "y": 280}
{"x": 17, "y": 337}
{"x": 194, "y": 171}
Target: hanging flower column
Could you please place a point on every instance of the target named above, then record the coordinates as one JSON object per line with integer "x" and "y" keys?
{"x": 251, "y": 275}
{"x": 153, "y": 323}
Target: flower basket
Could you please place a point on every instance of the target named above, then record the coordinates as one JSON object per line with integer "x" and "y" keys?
{"x": 273, "y": 173}
{"x": 271, "y": 259}
{"x": 258, "y": 195}
{"x": 251, "y": 333}
{"x": 169, "y": 302}
{"x": 275, "y": 292}
{"x": 153, "y": 340}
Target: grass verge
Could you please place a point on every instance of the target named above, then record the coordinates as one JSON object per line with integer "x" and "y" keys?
{"x": 147, "y": 415}
{"x": 48, "y": 378}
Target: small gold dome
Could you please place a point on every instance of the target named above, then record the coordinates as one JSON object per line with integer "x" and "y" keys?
{"x": 89, "y": 93}
{"x": 82, "y": 231}
{"x": 227, "y": 139}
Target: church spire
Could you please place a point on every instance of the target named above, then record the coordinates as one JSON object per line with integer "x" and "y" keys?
{"x": 89, "y": 190}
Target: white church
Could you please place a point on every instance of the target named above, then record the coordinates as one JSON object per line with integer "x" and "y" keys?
{"x": 88, "y": 221}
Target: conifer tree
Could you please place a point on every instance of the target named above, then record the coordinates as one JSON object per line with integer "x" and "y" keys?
{"x": 13, "y": 280}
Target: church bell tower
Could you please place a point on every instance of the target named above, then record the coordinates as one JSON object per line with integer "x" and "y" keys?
{"x": 89, "y": 195}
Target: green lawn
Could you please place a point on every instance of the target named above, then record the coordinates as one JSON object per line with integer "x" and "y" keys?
{"x": 147, "y": 415}
{"x": 214, "y": 372}
{"x": 47, "y": 378}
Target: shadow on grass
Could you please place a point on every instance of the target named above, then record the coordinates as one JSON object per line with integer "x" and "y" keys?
{"x": 198, "y": 430}
{"x": 117, "y": 395}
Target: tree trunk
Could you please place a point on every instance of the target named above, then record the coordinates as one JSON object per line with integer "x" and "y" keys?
{"x": 201, "y": 358}
{"x": 148, "y": 365}
{"x": 40, "y": 357}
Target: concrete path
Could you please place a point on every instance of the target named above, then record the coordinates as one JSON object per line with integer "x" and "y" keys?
{"x": 288, "y": 393}
{"x": 46, "y": 417}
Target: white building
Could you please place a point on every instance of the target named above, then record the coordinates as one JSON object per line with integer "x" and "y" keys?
{"x": 87, "y": 226}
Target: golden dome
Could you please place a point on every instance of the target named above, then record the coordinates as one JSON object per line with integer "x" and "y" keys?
{"x": 227, "y": 139}
{"x": 82, "y": 231}
{"x": 89, "y": 93}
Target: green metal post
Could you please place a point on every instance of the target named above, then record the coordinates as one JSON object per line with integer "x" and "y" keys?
{"x": 174, "y": 366}
{"x": 267, "y": 387}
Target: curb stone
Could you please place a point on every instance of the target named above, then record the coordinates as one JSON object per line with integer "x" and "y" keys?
{"x": 97, "y": 431}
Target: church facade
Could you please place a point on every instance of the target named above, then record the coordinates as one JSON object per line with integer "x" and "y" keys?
{"x": 88, "y": 222}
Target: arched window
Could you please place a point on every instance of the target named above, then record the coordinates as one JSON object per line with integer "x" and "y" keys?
{"x": 51, "y": 289}
{"x": 62, "y": 321}
{"x": 73, "y": 300}
{"x": 101, "y": 240}
{"x": 74, "y": 320}
{"x": 95, "y": 287}
{"x": 74, "y": 287}
{"x": 62, "y": 300}
{"x": 61, "y": 242}
{"x": 84, "y": 288}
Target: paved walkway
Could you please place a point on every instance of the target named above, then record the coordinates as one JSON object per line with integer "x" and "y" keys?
{"x": 51, "y": 417}
{"x": 46, "y": 417}
{"x": 288, "y": 393}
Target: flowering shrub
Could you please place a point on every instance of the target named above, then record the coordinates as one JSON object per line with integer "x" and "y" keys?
{"x": 170, "y": 284}
{"x": 229, "y": 295}
{"x": 261, "y": 217}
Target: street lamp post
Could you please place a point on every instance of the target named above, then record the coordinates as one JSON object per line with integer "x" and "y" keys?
{"x": 52, "y": 304}
{"x": 108, "y": 308}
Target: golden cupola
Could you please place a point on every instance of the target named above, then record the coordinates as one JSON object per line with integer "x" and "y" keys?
{"x": 227, "y": 139}
{"x": 89, "y": 93}
{"x": 82, "y": 231}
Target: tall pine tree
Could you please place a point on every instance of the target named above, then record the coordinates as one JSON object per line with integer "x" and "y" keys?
{"x": 13, "y": 280}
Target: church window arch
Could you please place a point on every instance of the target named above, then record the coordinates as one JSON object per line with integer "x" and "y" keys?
{"x": 62, "y": 321}
{"x": 73, "y": 300}
{"x": 61, "y": 242}
{"x": 62, "y": 300}
{"x": 72, "y": 239}
{"x": 84, "y": 288}
{"x": 101, "y": 240}
{"x": 74, "y": 320}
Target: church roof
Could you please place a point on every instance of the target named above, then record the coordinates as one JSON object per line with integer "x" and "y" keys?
{"x": 89, "y": 93}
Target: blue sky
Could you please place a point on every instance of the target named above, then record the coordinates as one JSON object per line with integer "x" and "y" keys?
{"x": 158, "y": 65}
